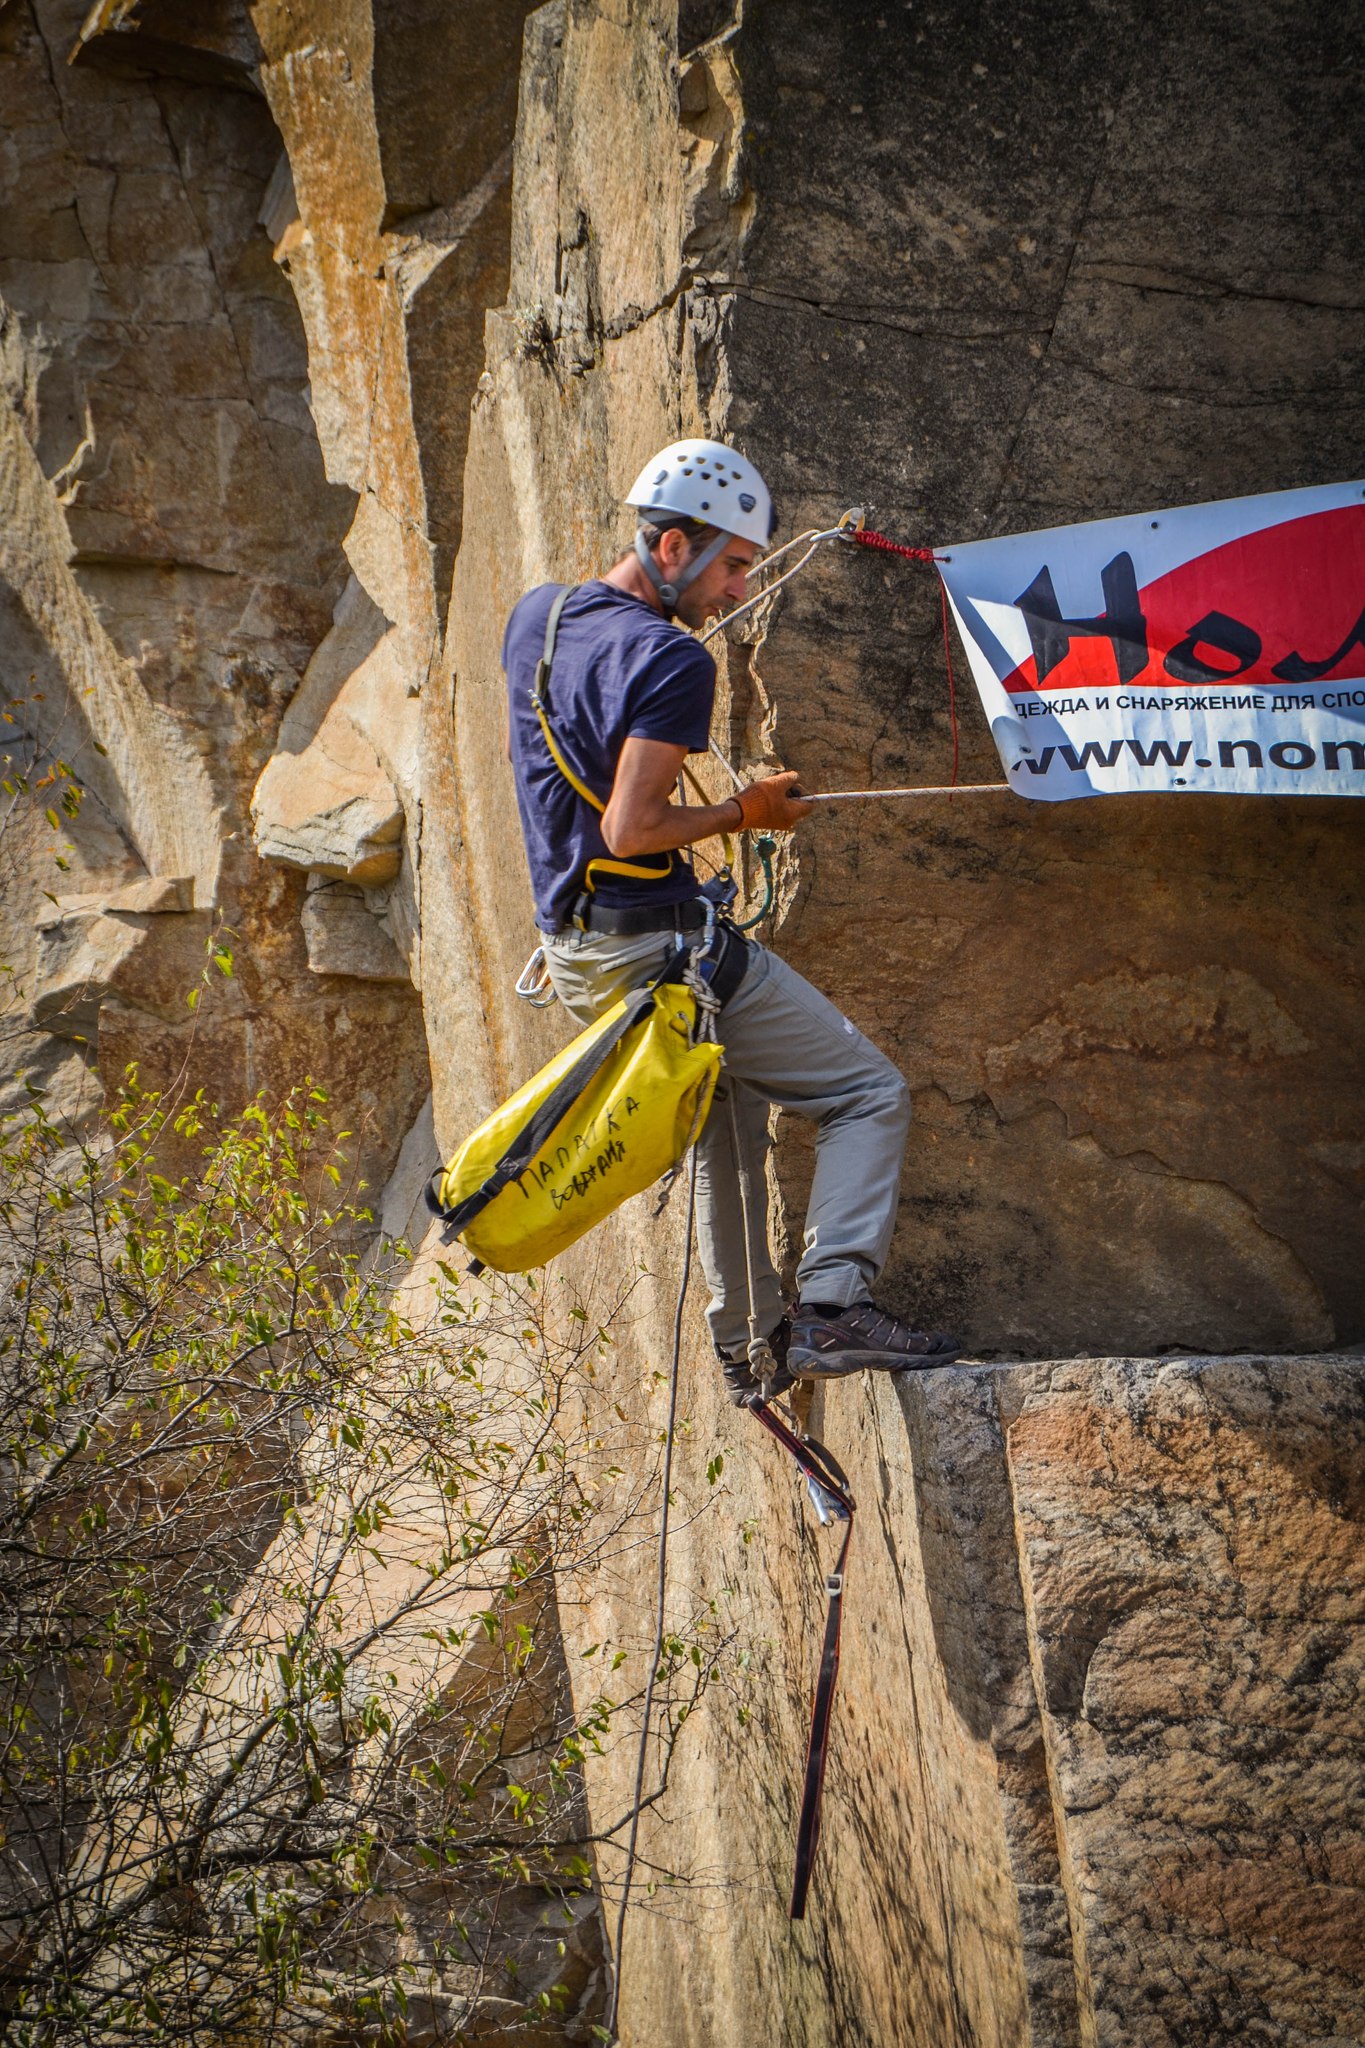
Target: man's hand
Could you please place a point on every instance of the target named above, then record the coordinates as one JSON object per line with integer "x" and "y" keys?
{"x": 774, "y": 803}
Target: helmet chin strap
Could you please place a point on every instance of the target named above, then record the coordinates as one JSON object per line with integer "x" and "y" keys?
{"x": 669, "y": 593}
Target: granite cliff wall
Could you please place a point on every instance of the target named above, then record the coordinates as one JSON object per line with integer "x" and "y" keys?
{"x": 977, "y": 269}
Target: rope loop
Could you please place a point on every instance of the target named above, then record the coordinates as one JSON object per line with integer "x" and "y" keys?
{"x": 707, "y": 1001}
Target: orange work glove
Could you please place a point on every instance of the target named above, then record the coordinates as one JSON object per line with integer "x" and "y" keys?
{"x": 774, "y": 802}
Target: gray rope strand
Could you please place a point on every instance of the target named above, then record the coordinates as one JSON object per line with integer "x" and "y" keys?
{"x": 660, "y": 1590}
{"x": 761, "y": 1360}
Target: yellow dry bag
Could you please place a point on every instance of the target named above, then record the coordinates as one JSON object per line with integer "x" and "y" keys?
{"x": 611, "y": 1113}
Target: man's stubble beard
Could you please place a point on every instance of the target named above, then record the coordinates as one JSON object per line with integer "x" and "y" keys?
{"x": 695, "y": 615}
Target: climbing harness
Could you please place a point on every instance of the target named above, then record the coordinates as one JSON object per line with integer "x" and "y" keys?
{"x": 533, "y": 984}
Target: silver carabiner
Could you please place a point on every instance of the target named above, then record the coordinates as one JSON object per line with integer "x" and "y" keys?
{"x": 826, "y": 1506}
{"x": 704, "y": 949}
{"x": 534, "y": 985}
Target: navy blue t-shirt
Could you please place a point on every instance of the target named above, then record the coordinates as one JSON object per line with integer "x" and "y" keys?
{"x": 621, "y": 671}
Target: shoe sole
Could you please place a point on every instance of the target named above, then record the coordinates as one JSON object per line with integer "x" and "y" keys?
{"x": 815, "y": 1366}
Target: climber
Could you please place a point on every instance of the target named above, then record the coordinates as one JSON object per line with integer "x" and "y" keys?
{"x": 602, "y": 713}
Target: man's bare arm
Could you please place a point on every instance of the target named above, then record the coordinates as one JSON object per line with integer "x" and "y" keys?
{"x": 641, "y": 816}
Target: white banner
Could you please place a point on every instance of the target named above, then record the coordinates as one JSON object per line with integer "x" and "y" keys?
{"x": 1217, "y": 648}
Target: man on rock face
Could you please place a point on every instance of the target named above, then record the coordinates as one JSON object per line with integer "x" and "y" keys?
{"x": 607, "y": 695}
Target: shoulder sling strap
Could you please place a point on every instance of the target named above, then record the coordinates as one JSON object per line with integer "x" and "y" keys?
{"x": 540, "y": 704}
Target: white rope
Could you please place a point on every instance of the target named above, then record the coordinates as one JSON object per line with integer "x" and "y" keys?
{"x": 817, "y": 537}
{"x": 748, "y": 606}
{"x": 708, "y": 1008}
{"x": 816, "y": 540}
{"x": 728, "y": 766}
{"x": 847, "y": 796}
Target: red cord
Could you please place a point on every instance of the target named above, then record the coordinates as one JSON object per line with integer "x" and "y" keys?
{"x": 866, "y": 538}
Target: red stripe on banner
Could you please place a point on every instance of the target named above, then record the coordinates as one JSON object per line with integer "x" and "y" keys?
{"x": 1281, "y": 607}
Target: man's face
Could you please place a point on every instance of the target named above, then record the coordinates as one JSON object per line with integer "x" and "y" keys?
{"x": 720, "y": 586}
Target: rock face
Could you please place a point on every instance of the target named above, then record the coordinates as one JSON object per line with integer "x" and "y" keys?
{"x": 971, "y": 273}
{"x": 1132, "y": 1048}
{"x": 1095, "y": 1778}
{"x": 1192, "y": 1584}
{"x": 169, "y": 565}
{"x": 996, "y": 312}
{"x": 309, "y": 374}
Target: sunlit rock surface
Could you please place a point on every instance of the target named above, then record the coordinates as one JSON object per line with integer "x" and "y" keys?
{"x": 171, "y": 561}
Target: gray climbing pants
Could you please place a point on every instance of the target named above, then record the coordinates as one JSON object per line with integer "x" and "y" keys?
{"x": 784, "y": 1043}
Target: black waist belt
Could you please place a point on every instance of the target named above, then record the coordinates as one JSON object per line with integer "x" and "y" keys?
{"x": 588, "y": 915}
{"x": 727, "y": 958}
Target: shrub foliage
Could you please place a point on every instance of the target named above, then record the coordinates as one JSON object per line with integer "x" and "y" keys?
{"x": 286, "y": 1746}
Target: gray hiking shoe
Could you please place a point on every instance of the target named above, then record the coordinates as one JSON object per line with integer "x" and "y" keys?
{"x": 825, "y": 1344}
{"x": 738, "y": 1374}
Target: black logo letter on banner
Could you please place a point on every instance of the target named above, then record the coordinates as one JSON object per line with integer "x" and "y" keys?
{"x": 1122, "y": 622}
{"x": 1294, "y": 669}
{"x": 1227, "y": 636}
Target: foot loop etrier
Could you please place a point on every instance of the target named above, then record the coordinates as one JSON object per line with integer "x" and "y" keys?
{"x": 829, "y": 1491}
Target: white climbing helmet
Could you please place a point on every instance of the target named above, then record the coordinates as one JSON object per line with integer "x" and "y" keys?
{"x": 705, "y": 480}
{"x": 701, "y": 480}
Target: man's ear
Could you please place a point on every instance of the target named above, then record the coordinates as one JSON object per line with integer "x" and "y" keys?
{"x": 674, "y": 549}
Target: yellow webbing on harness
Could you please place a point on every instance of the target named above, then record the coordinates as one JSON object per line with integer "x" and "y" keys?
{"x": 601, "y": 865}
